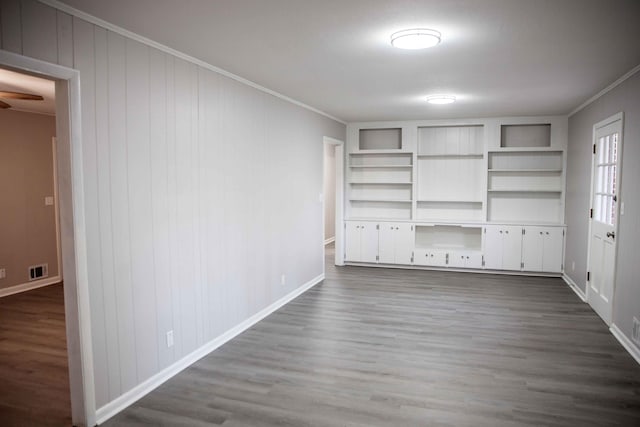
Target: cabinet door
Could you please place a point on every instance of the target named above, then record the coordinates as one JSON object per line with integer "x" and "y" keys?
{"x": 404, "y": 243}
{"x": 473, "y": 260}
{"x": 552, "y": 252}
{"x": 511, "y": 247}
{"x": 386, "y": 246}
{"x": 438, "y": 259}
{"x": 532, "y": 248}
{"x": 352, "y": 241}
{"x": 368, "y": 242}
{"x": 493, "y": 247}
{"x": 457, "y": 259}
{"x": 421, "y": 257}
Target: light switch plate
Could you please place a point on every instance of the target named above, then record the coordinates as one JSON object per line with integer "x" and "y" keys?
{"x": 3, "y": 273}
{"x": 48, "y": 201}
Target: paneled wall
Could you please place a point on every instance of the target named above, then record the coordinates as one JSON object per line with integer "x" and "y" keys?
{"x": 200, "y": 193}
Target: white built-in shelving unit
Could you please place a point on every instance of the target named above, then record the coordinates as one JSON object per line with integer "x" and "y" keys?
{"x": 472, "y": 194}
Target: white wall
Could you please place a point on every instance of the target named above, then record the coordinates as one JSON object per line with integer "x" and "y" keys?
{"x": 200, "y": 192}
{"x": 329, "y": 191}
{"x": 625, "y": 98}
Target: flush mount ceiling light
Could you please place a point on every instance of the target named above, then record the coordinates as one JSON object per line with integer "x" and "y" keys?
{"x": 441, "y": 99}
{"x": 417, "y": 38}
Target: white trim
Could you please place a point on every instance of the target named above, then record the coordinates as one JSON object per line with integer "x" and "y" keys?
{"x": 126, "y": 33}
{"x": 56, "y": 210}
{"x": 606, "y": 90}
{"x": 339, "y": 199}
{"x": 11, "y": 290}
{"x": 330, "y": 240}
{"x": 575, "y": 288}
{"x": 141, "y": 390}
{"x": 628, "y": 345}
{"x": 73, "y": 234}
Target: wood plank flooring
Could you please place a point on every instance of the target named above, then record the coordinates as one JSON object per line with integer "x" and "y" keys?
{"x": 382, "y": 347}
{"x": 34, "y": 376}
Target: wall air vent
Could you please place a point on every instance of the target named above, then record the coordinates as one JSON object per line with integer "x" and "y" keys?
{"x": 38, "y": 271}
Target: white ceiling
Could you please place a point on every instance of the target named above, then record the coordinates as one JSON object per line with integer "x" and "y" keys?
{"x": 500, "y": 57}
{"x": 17, "y": 82}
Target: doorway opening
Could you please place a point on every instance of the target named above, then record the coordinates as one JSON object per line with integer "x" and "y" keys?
{"x": 72, "y": 234}
{"x": 603, "y": 225}
{"x": 332, "y": 202}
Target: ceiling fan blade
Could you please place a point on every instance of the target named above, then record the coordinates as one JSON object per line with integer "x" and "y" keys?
{"x": 19, "y": 95}
{"x": 4, "y": 105}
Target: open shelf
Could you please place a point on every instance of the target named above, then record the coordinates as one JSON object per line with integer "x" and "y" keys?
{"x": 452, "y": 156}
{"x": 379, "y": 183}
{"x": 448, "y": 237}
{"x": 526, "y": 170}
{"x": 380, "y": 139}
{"x": 381, "y": 166}
{"x": 380, "y": 200}
{"x": 524, "y": 190}
{"x": 525, "y": 135}
{"x": 448, "y": 201}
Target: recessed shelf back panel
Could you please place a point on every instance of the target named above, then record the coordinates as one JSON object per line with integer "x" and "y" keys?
{"x": 448, "y": 237}
{"x": 380, "y": 139}
{"x": 525, "y": 160}
{"x": 535, "y": 135}
{"x": 380, "y": 210}
{"x": 449, "y": 211}
{"x": 543, "y": 207}
{"x": 380, "y": 191}
{"x": 526, "y": 181}
{"x": 381, "y": 175}
{"x": 378, "y": 159}
{"x": 446, "y": 178}
{"x": 445, "y": 140}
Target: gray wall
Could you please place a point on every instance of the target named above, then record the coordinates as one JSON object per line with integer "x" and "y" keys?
{"x": 329, "y": 191}
{"x": 200, "y": 193}
{"x": 27, "y": 226}
{"x": 625, "y": 98}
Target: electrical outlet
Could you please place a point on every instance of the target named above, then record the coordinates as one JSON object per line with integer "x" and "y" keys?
{"x": 3, "y": 273}
{"x": 170, "y": 339}
{"x": 48, "y": 201}
{"x": 283, "y": 280}
{"x": 635, "y": 335}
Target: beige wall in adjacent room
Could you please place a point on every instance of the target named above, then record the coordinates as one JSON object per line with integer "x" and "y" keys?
{"x": 27, "y": 226}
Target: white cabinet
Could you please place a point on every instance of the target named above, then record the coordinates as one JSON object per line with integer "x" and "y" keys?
{"x": 463, "y": 259}
{"x": 395, "y": 243}
{"x": 503, "y": 247}
{"x": 361, "y": 241}
{"x": 542, "y": 249}
{"x": 430, "y": 257}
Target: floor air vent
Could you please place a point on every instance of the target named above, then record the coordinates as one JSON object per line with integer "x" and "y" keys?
{"x": 38, "y": 271}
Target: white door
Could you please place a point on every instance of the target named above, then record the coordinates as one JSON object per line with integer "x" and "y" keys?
{"x": 387, "y": 243}
{"x": 604, "y": 217}
{"x": 511, "y": 247}
{"x": 552, "y": 250}
{"x": 493, "y": 247}
{"x": 404, "y": 243}
{"x": 533, "y": 248}
{"x": 352, "y": 241}
{"x": 368, "y": 242}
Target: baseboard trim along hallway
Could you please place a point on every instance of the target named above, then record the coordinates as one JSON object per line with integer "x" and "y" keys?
{"x": 141, "y": 390}
{"x": 30, "y": 286}
{"x": 574, "y": 287}
{"x": 626, "y": 342}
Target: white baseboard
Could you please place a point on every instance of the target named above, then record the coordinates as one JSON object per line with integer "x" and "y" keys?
{"x": 574, "y": 287}
{"x": 633, "y": 350}
{"x": 141, "y": 390}
{"x": 329, "y": 240}
{"x": 30, "y": 286}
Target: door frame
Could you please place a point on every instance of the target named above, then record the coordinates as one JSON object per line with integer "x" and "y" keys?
{"x": 72, "y": 229}
{"x": 610, "y": 120}
{"x": 339, "y": 202}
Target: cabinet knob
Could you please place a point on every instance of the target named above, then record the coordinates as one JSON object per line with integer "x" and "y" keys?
{"x": 547, "y": 233}
{"x": 541, "y": 232}
{"x": 467, "y": 257}
{"x": 500, "y": 231}
{"x": 398, "y": 228}
{"x": 507, "y": 231}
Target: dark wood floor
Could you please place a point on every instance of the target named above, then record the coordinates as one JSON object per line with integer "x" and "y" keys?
{"x": 34, "y": 376}
{"x": 379, "y": 347}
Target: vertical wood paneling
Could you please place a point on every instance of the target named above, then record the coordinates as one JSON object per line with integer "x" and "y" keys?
{"x": 118, "y": 121}
{"x": 103, "y": 155}
{"x": 11, "y": 25}
{"x": 85, "y": 64}
{"x": 140, "y": 205}
{"x": 185, "y": 216}
{"x": 172, "y": 194}
{"x": 65, "y": 39}
{"x": 160, "y": 201}
{"x": 39, "y": 31}
{"x": 199, "y": 193}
